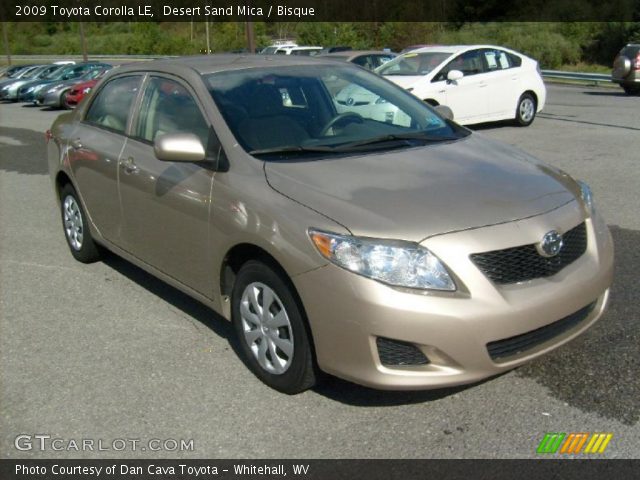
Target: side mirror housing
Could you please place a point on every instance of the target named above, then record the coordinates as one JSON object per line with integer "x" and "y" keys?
{"x": 454, "y": 75}
{"x": 179, "y": 147}
{"x": 444, "y": 111}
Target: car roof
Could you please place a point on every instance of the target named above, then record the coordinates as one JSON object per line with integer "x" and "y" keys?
{"x": 452, "y": 48}
{"x": 356, "y": 53}
{"x": 203, "y": 64}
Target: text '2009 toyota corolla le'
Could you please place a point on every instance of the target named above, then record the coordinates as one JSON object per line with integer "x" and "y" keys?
{"x": 402, "y": 252}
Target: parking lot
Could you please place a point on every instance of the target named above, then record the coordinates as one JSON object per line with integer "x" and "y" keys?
{"x": 105, "y": 351}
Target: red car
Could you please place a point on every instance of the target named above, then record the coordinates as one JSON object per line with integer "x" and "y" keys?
{"x": 73, "y": 97}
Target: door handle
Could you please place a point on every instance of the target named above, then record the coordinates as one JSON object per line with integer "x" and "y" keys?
{"x": 129, "y": 166}
{"x": 75, "y": 144}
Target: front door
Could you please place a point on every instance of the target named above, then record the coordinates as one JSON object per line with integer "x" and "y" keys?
{"x": 467, "y": 97}
{"x": 166, "y": 204}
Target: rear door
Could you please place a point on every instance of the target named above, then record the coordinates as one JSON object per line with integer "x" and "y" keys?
{"x": 165, "y": 204}
{"x": 503, "y": 82}
{"x": 95, "y": 149}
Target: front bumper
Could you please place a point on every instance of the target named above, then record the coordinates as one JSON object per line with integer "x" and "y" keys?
{"x": 347, "y": 312}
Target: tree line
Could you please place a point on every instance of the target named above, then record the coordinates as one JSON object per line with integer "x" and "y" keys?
{"x": 553, "y": 44}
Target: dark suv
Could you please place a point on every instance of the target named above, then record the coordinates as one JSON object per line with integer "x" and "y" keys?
{"x": 626, "y": 69}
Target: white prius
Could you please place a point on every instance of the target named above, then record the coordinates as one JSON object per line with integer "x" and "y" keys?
{"x": 480, "y": 83}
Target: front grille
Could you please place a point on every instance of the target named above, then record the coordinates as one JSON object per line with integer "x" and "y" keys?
{"x": 519, "y": 264}
{"x": 509, "y": 347}
{"x": 398, "y": 353}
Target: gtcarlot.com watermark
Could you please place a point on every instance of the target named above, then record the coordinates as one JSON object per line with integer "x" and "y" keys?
{"x": 43, "y": 442}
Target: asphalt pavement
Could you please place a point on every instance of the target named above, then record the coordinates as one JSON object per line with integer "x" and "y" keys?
{"x": 106, "y": 351}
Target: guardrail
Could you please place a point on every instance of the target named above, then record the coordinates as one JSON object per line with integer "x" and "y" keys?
{"x": 594, "y": 78}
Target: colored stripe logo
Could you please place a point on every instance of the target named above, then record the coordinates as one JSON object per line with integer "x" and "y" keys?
{"x": 574, "y": 443}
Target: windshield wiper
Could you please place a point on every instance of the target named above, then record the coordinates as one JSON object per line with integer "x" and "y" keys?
{"x": 292, "y": 149}
{"x": 424, "y": 137}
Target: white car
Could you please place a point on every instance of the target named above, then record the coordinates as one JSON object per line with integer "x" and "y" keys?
{"x": 480, "y": 83}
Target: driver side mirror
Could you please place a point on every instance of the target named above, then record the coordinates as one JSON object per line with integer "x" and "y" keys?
{"x": 454, "y": 75}
{"x": 179, "y": 147}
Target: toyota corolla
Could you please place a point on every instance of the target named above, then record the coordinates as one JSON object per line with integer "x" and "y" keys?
{"x": 406, "y": 254}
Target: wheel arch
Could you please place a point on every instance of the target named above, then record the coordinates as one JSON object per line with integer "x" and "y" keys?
{"x": 61, "y": 180}
{"x": 240, "y": 254}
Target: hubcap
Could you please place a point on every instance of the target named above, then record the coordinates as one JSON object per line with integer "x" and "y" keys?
{"x": 73, "y": 227}
{"x": 267, "y": 329}
{"x": 527, "y": 109}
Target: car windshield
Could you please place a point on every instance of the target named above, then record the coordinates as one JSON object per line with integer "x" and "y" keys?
{"x": 413, "y": 63}
{"x": 48, "y": 71}
{"x": 322, "y": 109}
{"x": 35, "y": 72}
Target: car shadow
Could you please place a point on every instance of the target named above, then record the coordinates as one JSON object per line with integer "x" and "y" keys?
{"x": 328, "y": 385}
{"x": 358, "y": 396}
{"x": 607, "y": 94}
{"x": 183, "y": 302}
{"x": 491, "y": 125}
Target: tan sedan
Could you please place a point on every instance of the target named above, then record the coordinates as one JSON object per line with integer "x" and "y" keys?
{"x": 402, "y": 253}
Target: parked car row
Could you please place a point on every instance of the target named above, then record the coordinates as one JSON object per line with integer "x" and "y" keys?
{"x": 48, "y": 85}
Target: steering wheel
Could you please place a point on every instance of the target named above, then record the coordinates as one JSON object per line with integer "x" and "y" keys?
{"x": 346, "y": 117}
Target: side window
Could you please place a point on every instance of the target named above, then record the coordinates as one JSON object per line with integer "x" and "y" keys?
{"x": 110, "y": 109}
{"x": 496, "y": 60}
{"x": 515, "y": 60}
{"x": 469, "y": 63}
{"x": 167, "y": 107}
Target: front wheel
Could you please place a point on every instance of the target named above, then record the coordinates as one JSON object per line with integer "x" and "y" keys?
{"x": 526, "y": 110}
{"x": 272, "y": 334}
{"x": 76, "y": 227}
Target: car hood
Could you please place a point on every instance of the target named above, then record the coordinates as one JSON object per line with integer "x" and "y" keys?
{"x": 415, "y": 193}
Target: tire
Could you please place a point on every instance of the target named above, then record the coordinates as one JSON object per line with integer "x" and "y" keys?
{"x": 63, "y": 101}
{"x": 631, "y": 89}
{"x": 285, "y": 364}
{"x": 525, "y": 110}
{"x": 75, "y": 226}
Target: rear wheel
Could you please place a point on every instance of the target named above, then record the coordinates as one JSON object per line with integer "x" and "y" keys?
{"x": 631, "y": 89}
{"x": 272, "y": 334}
{"x": 526, "y": 110}
{"x": 76, "y": 227}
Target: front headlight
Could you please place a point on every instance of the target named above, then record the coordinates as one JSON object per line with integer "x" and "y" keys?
{"x": 397, "y": 263}
{"x": 587, "y": 197}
